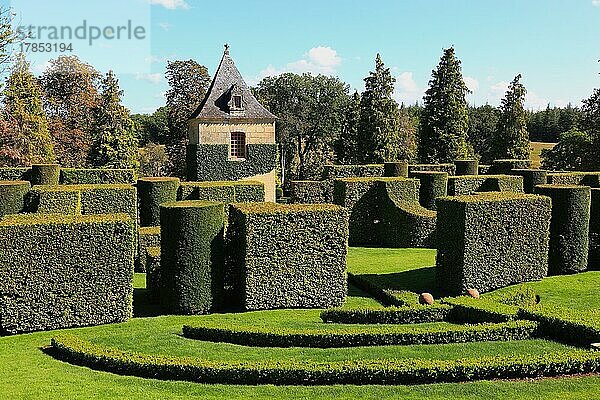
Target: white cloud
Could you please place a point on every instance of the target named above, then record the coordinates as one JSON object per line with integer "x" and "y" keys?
{"x": 407, "y": 91}
{"x": 596, "y": 3}
{"x": 152, "y": 78}
{"x": 496, "y": 92}
{"x": 318, "y": 60}
{"x": 472, "y": 83}
{"x": 165, "y": 26}
{"x": 39, "y": 69}
{"x": 171, "y": 4}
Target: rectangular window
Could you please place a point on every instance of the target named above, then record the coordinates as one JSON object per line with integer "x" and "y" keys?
{"x": 238, "y": 145}
{"x": 237, "y": 102}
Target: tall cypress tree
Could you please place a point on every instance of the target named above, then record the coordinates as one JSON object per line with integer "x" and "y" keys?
{"x": 23, "y": 101}
{"x": 114, "y": 142}
{"x": 346, "y": 146}
{"x": 511, "y": 139}
{"x": 383, "y": 135}
{"x": 445, "y": 118}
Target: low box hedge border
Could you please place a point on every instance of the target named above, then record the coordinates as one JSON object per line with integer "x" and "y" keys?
{"x": 77, "y": 351}
{"x": 565, "y": 325}
{"x": 390, "y": 315}
{"x": 470, "y": 310}
{"x": 360, "y": 335}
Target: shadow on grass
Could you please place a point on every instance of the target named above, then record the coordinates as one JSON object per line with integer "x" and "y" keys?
{"x": 416, "y": 280}
{"x": 143, "y": 304}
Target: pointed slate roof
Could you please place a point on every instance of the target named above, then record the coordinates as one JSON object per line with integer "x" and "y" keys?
{"x": 228, "y": 80}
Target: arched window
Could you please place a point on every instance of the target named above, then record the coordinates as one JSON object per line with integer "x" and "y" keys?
{"x": 238, "y": 145}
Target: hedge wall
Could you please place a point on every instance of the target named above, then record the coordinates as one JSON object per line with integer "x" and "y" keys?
{"x": 362, "y": 372}
{"x": 395, "y": 169}
{"x": 404, "y": 224}
{"x": 223, "y": 191}
{"x": 210, "y": 162}
{"x": 594, "y": 254}
{"x": 449, "y": 168}
{"x": 483, "y": 169}
{"x": 591, "y": 179}
{"x": 388, "y": 315}
{"x": 15, "y": 174}
{"x": 434, "y": 184}
{"x": 491, "y": 240}
{"x": 470, "y": 184}
{"x": 352, "y": 171}
{"x": 59, "y": 199}
{"x": 45, "y": 174}
{"x": 12, "y": 196}
{"x": 287, "y": 256}
{"x": 364, "y": 198}
{"x": 96, "y": 176}
{"x": 191, "y": 262}
{"x": 503, "y": 167}
{"x": 152, "y": 267}
{"x": 312, "y": 192}
{"x": 357, "y": 335}
{"x": 531, "y": 178}
{"x": 63, "y": 271}
{"x": 467, "y": 167}
{"x": 152, "y": 192}
{"x": 147, "y": 237}
{"x": 569, "y": 230}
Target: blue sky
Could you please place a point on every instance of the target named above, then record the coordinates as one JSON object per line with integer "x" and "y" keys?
{"x": 554, "y": 44}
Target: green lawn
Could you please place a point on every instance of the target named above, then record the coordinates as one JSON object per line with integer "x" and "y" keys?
{"x": 27, "y": 372}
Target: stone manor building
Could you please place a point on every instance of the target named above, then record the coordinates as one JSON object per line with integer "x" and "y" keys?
{"x": 231, "y": 135}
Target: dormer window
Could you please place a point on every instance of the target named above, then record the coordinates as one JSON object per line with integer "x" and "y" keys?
{"x": 237, "y": 102}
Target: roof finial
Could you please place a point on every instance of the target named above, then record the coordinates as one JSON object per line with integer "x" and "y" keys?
{"x": 227, "y": 48}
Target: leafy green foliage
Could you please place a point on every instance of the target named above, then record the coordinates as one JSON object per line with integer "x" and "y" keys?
{"x": 547, "y": 125}
{"x": 12, "y": 196}
{"x": 569, "y": 229}
{"x": 346, "y": 146}
{"x": 572, "y": 153}
{"x": 45, "y": 174}
{"x": 384, "y": 132}
{"x": 511, "y": 139}
{"x": 306, "y": 266}
{"x": 148, "y": 236}
{"x": 531, "y": 178}
{"x": 389, "y": 315}
{"x": 476, "y": 241}
{"x": 471, "y": 184}
{"x": 444, "y": 120}
{"x": 62, "y": 271}
{"x": 433, "y": 184}
{"x": 152, "y": 192}
{"x": 483, "y": 121}
{"x": 96, "y": 176}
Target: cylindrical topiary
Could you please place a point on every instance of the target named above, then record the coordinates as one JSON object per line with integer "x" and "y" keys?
{"x": 503, "y": 167}
{"x": 12, "y": 196}
{"x": 569, "y": 227}
{"x": 45, "y": 174}
{"x": 395, "y": 168}
{"x": 434, "y": 184}
{"x": 152, "y": 192}
{"x": 531, "y": 178}
{"x": 192, "y": 259}
{"x": 467, "y": 167}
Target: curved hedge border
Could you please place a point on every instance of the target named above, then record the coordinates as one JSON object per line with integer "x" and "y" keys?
{"x": 434, "y": 184}
{"x": 12, "y": 196}
{"x": 260, "y": 336}
{"x": 362, "y": 372}
{"x": 391, "y": 315}
{"x": 152, "y": 192}
{"x": 572, "y": 326}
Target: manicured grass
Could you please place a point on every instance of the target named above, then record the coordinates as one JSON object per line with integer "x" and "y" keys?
{"x": 536, "y": 152}
{"x": 29, "y": 373}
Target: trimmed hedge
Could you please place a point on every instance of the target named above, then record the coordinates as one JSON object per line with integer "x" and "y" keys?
{"x": 152, "y": 267}
{"x": 591, "y": 179}
{"x": 358, "y": 335}
{"x": 520, "y": 296}
{"x": 358, "y": 372}
{"x": 531, "y": 178}
{"x": 405, "y": 224}
{"x": 567, "y": 325}
{"x": 352, "y": 171}
{"x": 12, "y": 196}
{"x": 223, "y": 191}
{"x": 594, "y": 253}
{"x": 395, "y": 169}
{"x": 470, "y": 310}
{"x": 503, "y": 167}
{"x": 211, "y": 162}
{"x": 287, "y": 256}
{"x": 191, "y": 262}
{"x": 385, "y": 297}
{"x": 96, "y": 176}
{"x": 312, "y": 192}
{"x": 467, "y": 167}
{"x": 483, "y": 169}
{"x": 63, "y": 271}
{"x": 15, "y": 174}
{"x": 491, "y": 240}
{"x": 152, "y": 192}
{"x": 569, "y": 229}
{"x": 390, "y": 315}
{"x": 434, "y": 184}
{"x": 148, "y": 236}
{"x": 449, "y": 168}
{"x": 45, "y": 174}
{"x": 470, "y": 184}
{"x": 57, "y": 199}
